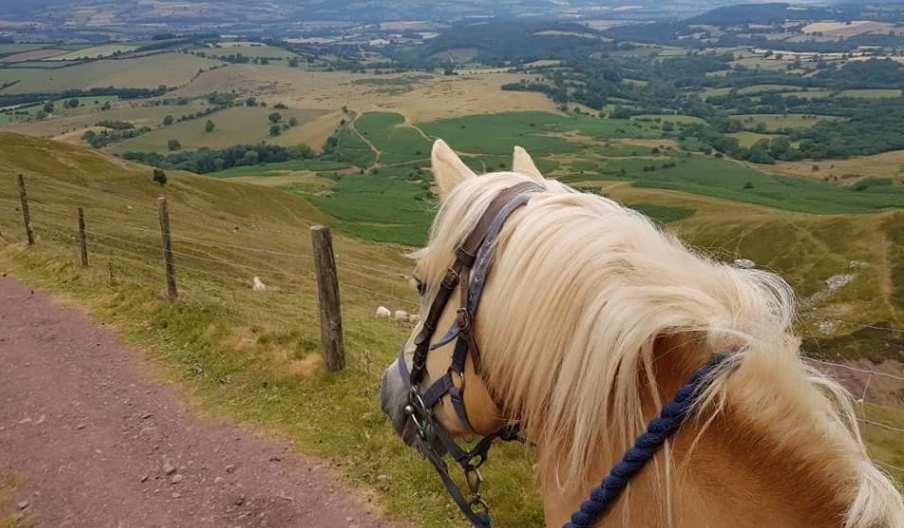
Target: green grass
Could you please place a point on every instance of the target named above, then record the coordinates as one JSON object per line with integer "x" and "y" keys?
{"x": 871, "y": 93}
{"x": 171, "y": 69}
{"x": 729, "y": 180}
{"x": 352, "y": 149}
{"x": 774, "y": 122}
{"x": 894, "y": 230}
{"x": 748, "y": 139}
{"x": 397, "y": 142}
{"x": 235, "y": 349}
{"x": 538, "y": 132}
{"x": 663, "y": 214}
{"x": 254, "y": 51}
{"x": 279, "y": 169}
{"x": 392, "y": 205}
{"x": 671, "y": 118}
{"x": 96, "y": 52}
{"x": 238, "y": 125}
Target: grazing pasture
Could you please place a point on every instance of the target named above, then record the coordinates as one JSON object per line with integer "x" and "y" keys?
{"x": 774, "y": 122}
{"x": 232, "y": 126}
{"x": 426, "y": 99}
{"x": 170, "y": 69}
{"x": 396, "y": 141}
{"x": 96, "y": 52}
{"x": 730, "y": 180}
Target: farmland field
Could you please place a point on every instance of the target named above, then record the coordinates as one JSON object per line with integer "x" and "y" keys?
{"x": 248, "y": 50}
{"x": 171, "y": 69}
{"x": 748, "y": 139}
{"x": 370, "y": 99}
{"x": 96, "y": 52}
{"x": 233, "y": 126}
{"x": 775, "y": 122}
{"x": 871, "y": 93}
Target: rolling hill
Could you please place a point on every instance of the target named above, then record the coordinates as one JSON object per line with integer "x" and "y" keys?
{"x": 255, "y": 354}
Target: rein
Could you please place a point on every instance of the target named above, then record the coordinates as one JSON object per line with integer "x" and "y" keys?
{"x": 469, "y": 271}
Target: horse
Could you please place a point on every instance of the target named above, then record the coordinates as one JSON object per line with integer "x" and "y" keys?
{"x": 591, "y": 320}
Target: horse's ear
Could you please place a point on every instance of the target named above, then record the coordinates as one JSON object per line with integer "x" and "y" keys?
{"x": 448, "y": 169}
{"x": 523, "y": 164}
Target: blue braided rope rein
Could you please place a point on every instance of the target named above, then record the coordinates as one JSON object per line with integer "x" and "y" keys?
{"x": 658, "y": 431}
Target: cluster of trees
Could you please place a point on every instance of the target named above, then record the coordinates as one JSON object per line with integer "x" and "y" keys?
{"x": 278, "y": 125}
{"x": 206, "y": 160}
{"x": 114, "y": 131}
{"x": 40, "y": 97}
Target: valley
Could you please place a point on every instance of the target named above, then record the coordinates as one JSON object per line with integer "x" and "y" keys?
{"x": 760, "y": 135}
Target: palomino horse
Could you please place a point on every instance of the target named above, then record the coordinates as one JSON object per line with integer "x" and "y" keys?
{"x": 591, "y": 320}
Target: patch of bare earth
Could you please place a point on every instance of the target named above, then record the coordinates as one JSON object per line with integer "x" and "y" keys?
{"x": 100, "y": 443}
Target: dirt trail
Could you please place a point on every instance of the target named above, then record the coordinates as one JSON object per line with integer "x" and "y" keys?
{"x": 100, "y": 443}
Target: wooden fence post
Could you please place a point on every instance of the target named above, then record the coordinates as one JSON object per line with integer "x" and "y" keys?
{"x": 328, "y": 294}
{"x": 171, "y": 291}
{"x": 82, "y": 237}
{"x": 26, "y": 215}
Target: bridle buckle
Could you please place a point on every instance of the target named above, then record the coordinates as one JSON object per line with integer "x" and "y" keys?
{"x": 463, "y": 320}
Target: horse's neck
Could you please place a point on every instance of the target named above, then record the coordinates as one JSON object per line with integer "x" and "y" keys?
{"x": 726, "y": 476}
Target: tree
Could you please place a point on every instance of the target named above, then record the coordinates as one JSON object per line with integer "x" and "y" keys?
{"x": 275, "y": 117}
{"x": 209, "y": 126}
{"x": 275, "y": 130}
{"x": 174, "y": 145}
{"x": 48, "y": 107}
{"x": 168, "y": 120}
{"x": 159, "y": 177}
{"x": 293, "y": 122}
{"x": 73, "y": 103}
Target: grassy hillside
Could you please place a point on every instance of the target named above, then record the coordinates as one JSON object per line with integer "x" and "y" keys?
{"x": 254, "y": 355}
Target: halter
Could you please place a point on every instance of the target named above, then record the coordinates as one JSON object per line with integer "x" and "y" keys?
{"x": 469, "y": 271}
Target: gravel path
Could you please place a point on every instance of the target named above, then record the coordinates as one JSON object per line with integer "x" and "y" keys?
{"x": 102, "y": 444}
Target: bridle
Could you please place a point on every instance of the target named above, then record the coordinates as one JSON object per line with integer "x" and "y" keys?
{"x": 473, "y": 259}
{"x": 469, "y": 271}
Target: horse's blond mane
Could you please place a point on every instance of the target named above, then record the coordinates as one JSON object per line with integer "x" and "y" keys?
{"x": 580, "y": 290}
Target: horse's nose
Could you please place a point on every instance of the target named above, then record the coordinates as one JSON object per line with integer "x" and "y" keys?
{"x": 393, "y": 398}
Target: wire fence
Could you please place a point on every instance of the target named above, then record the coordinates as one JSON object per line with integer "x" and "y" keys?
{"x": 129, "y": 241}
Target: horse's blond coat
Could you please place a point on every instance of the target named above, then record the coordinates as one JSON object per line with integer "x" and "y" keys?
{"x": 582, "y": 291}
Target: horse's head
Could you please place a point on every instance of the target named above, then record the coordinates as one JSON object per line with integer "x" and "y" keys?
{"x": 591, "y": 322}
{"x": 467, "y": 407}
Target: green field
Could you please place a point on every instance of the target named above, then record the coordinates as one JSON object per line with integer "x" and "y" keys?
{"x": 871, "y": 93}
{"x": 239, "y": 125}
{"x": 776, "y": 122}
{"x": 396, "y": 141}
{"x": 96, "y": 52}
{"x": 170, "y": 69}
{"x": 732, "y": 181}
{"x": 671, "y": 118}
{"x": 280, "y": 169}
{"x": 250, "y": 347}
{"x": 540, "y": 133}
{"x": 748, "y": 139}
{"x": 248, "y": 50}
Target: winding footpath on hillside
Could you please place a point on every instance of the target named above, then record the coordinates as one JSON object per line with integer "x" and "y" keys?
{"x": 98, "y": 441}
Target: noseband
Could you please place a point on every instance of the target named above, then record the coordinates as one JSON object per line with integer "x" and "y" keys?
{"x": 469, "y": 271}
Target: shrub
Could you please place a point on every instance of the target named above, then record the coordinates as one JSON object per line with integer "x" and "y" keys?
{"x": 159, "y": 177}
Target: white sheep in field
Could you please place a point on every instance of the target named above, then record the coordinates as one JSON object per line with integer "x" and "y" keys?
{"x": 383, "y": 312}
{"x": 401, "y": 315}
{"x": 257, "y": 284}
{"x": 414, "y": 318}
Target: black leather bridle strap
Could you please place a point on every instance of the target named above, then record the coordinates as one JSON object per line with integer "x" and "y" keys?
{"x": 465, "y": 255}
